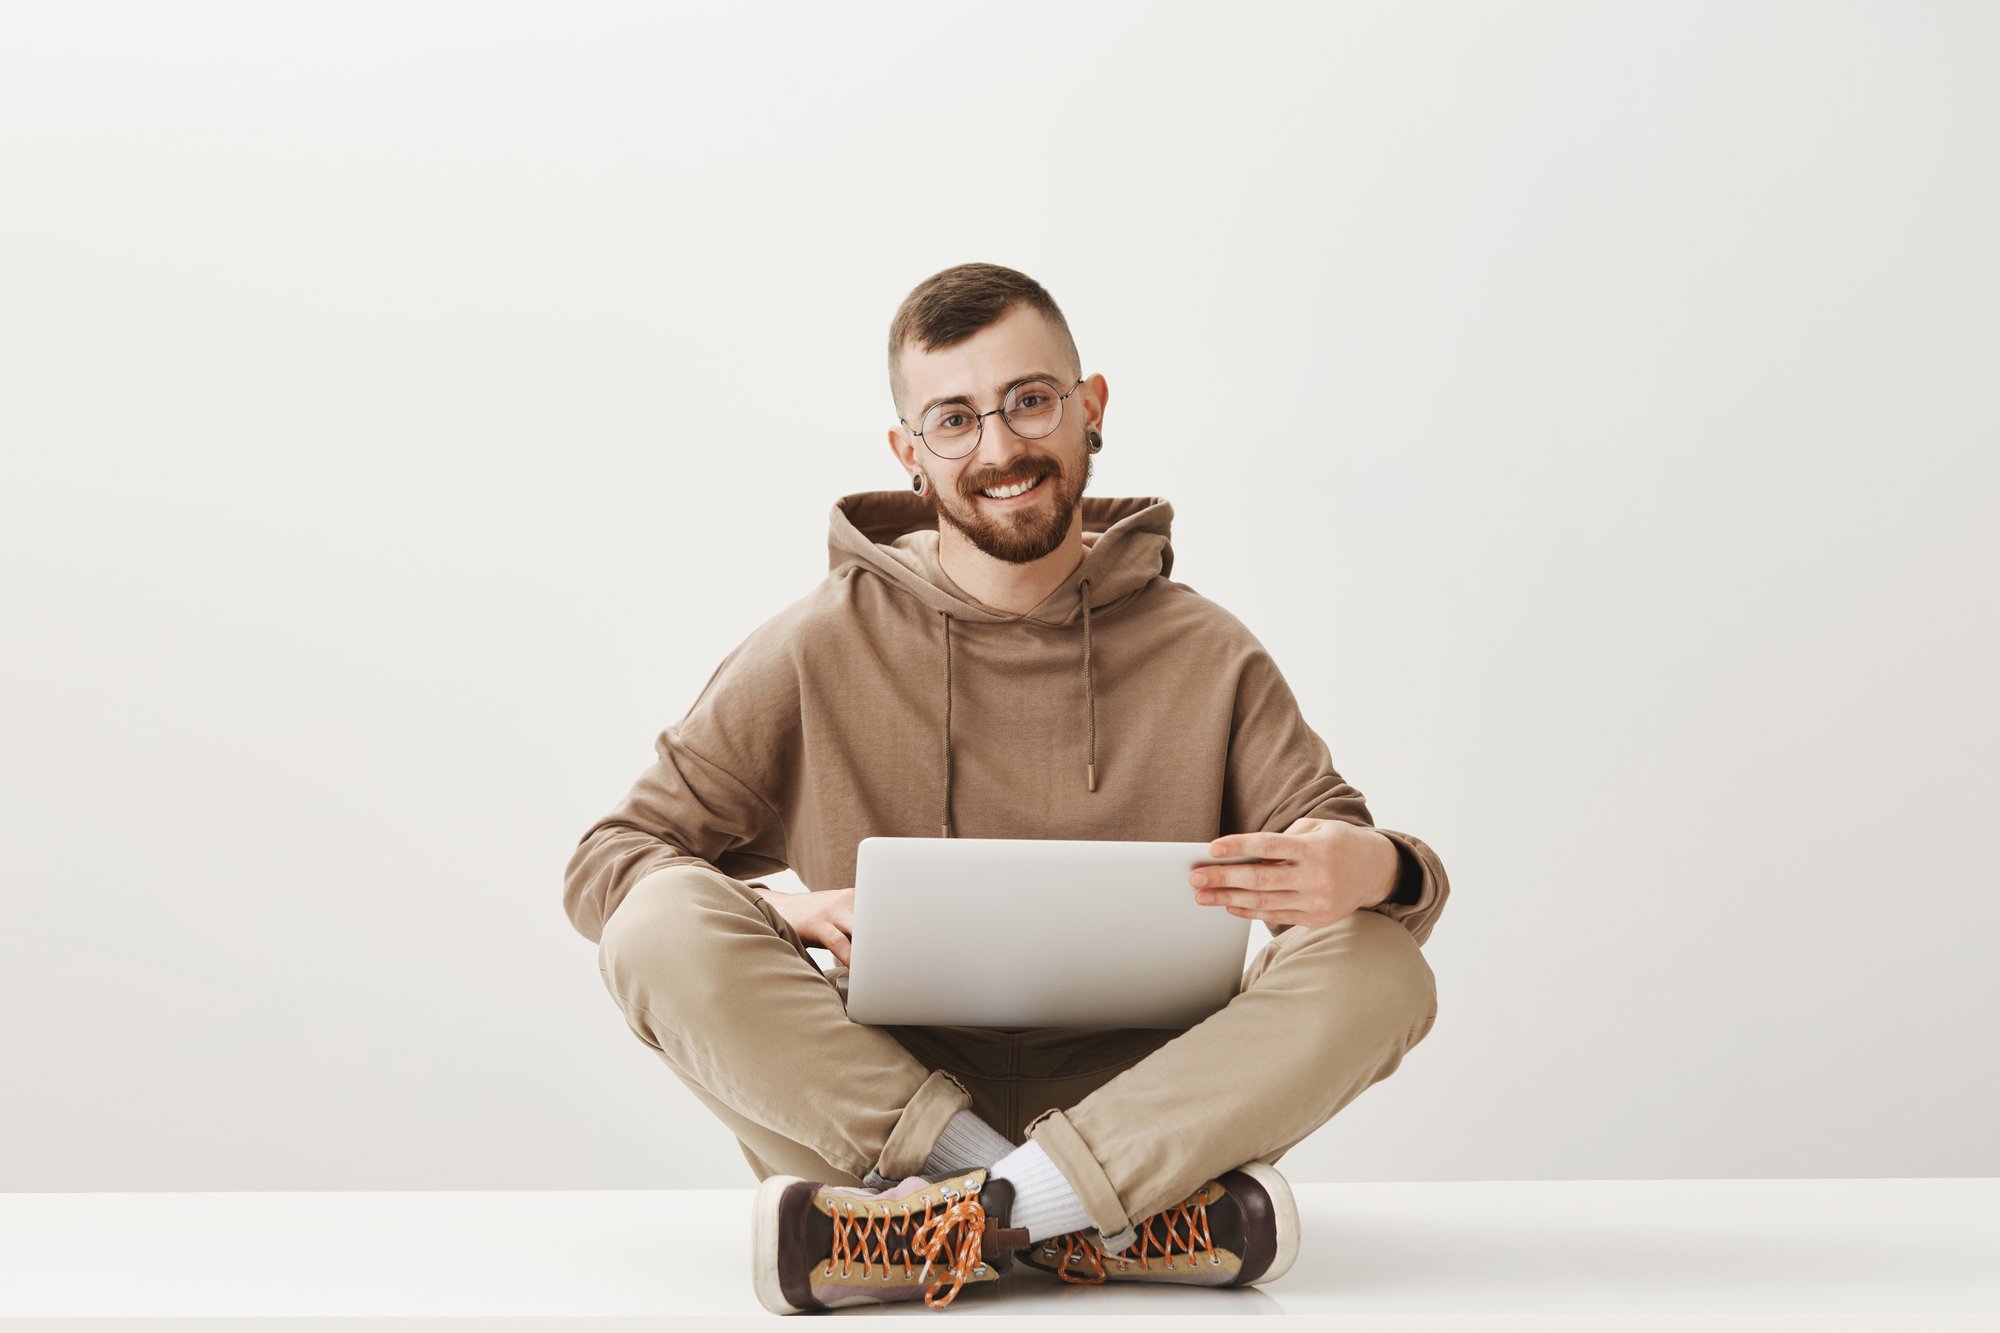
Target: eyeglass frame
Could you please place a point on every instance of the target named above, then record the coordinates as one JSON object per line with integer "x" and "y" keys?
{"x": 979, "y": 418}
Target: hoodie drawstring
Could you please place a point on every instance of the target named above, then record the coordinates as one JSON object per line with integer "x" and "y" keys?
{"x": 944, "y": 830}
{"x": 1089, "y": 701}
{"x": 1089, "y": 697}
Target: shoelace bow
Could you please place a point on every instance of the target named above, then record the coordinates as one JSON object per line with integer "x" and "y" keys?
{"x": 1191, "y": 1215}
{"x": 863, "y": 1228}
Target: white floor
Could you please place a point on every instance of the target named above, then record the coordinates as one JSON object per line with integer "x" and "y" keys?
{"x": 1516, "y": 1254}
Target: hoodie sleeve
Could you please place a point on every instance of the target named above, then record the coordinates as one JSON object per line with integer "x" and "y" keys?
{"x": 707, "y": 798}
{"x": 1280, "y": 771}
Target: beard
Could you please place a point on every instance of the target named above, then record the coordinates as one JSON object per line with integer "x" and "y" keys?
{"x": 1022, "y": 535}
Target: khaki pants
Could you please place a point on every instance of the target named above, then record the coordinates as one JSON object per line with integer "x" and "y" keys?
{"x": 721, "y": 987}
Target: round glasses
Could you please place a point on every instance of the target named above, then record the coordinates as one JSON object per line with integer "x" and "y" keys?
{"x": 1031, "y": 410}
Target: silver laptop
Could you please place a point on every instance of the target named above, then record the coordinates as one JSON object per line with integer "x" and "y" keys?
{"x": 1030, "y": 932}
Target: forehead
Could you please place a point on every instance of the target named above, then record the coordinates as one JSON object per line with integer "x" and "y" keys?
{"x": 1020, "y": 342}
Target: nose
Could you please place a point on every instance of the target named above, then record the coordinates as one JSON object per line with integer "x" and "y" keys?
{"x": 1000, "y": 449}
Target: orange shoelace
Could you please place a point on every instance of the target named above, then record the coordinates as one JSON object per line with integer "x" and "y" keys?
{"x": 1167, "y": 1233}
{"x": 864, "y": 1228}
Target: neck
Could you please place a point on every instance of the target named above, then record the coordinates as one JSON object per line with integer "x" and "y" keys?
{"x": 1003, "y": 585}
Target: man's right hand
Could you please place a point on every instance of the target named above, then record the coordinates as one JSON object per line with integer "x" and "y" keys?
{"x": 822, "y": 916}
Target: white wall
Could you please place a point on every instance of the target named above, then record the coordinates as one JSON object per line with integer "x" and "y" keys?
{"x": 405, "y": 408}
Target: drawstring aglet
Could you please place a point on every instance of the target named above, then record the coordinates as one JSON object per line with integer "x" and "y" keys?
{"x": 1091, "y": 770}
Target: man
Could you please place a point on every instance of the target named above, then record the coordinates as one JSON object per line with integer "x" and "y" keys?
{"x": 988, "y": 661}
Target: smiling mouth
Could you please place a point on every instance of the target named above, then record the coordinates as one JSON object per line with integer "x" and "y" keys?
{"x": 1010, "y": 499}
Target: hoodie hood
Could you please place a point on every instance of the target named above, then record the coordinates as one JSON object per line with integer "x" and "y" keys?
{"x": 894, "y": 535}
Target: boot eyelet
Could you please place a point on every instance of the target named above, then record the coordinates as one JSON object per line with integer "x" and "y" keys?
{"x": 1214, "y": 1260}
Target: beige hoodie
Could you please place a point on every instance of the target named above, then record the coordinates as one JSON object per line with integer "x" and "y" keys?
{"x": 887, "y": 701}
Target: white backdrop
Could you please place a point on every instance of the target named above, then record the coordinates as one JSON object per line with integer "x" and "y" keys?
{"x": 406, "y": 406}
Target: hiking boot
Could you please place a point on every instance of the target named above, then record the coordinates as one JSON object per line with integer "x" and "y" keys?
{"x": 820, "y": 1247}
{"x": 1236, "y": 1231}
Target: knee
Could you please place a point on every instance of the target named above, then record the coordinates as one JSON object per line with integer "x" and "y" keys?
{"x": 1380, "y": 973}
{"x": 662, "y": 947}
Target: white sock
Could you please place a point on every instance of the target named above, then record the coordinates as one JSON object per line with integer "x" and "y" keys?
{"x": 967, "y": 1141}
{"x": 1044, "y": 1203}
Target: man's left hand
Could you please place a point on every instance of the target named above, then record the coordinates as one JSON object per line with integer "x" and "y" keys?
{"x": 1315, "y": 873}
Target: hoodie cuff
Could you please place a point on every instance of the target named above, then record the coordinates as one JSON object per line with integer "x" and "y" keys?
{"x": 1421, "y": 886}
{"x": 1409, "y": 876}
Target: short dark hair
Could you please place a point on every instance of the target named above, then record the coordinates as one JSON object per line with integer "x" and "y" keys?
{"x": 950, "y": 306}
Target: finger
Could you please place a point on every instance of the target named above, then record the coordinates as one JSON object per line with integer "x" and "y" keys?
{"x": 1281, "y": 876}
{"x": 1271, "y": 846}
{"x": 1270, "y": 918}
{"x": 1258, "y": 900}
{"x": 838, "y": 943}
{"x": 843, "y": 917}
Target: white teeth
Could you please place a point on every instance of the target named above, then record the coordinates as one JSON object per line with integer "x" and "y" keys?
{"x": 1010, "y": 491}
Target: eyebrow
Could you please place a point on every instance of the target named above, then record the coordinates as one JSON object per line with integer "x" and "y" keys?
{"x": 962, "y": 398}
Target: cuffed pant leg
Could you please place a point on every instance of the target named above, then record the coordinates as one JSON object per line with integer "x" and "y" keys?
{"x": 1325, "y": 1012}
{"x": 722, "y": 989}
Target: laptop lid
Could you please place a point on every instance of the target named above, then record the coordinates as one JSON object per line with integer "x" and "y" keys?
{"x": 1030, "y": 932}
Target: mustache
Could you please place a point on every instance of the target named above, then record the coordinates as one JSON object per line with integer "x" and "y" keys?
{"x": 1033, "y": 475}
